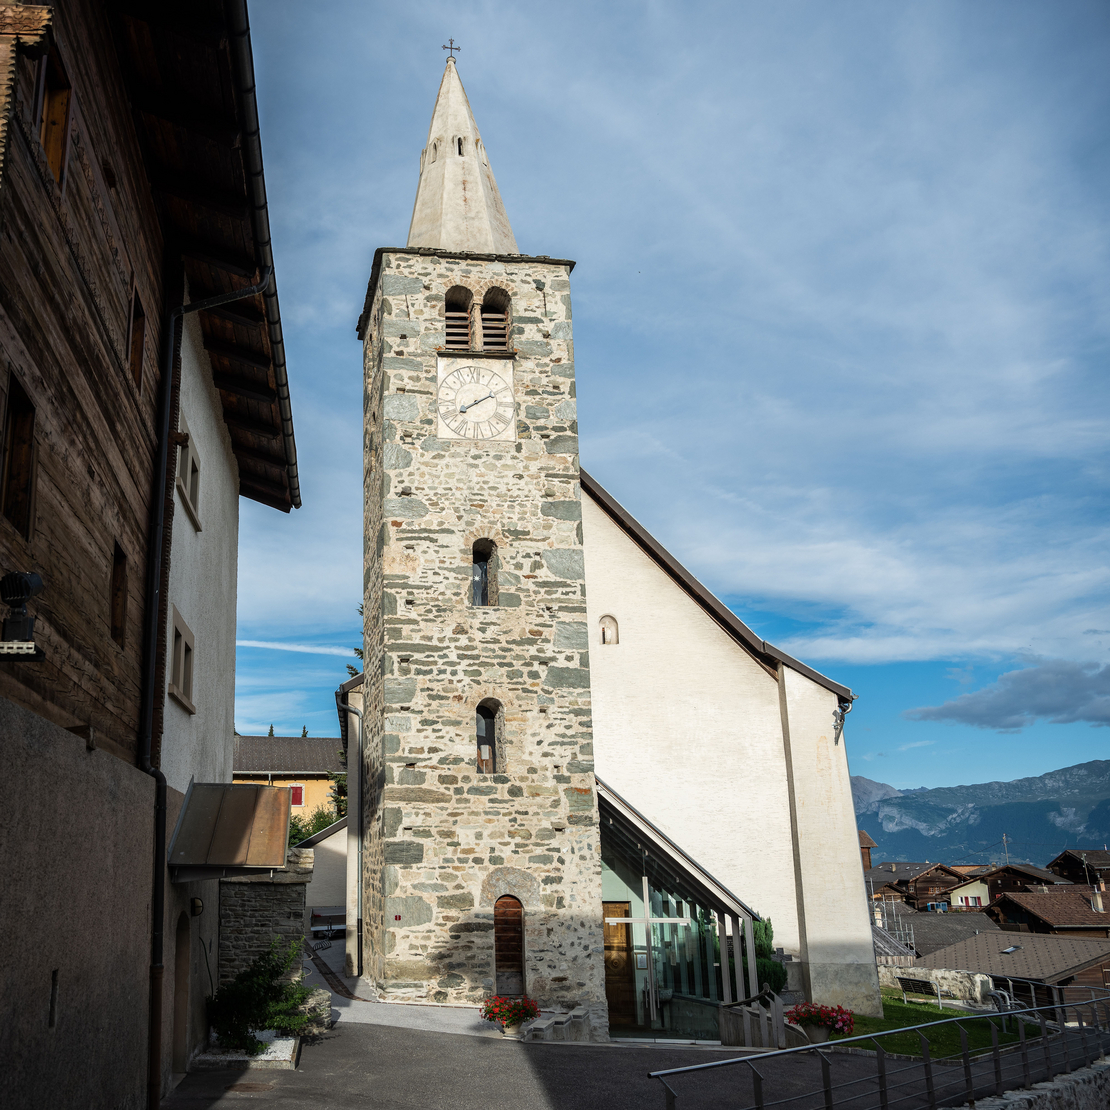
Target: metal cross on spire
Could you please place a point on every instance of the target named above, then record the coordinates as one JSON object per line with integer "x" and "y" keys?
{"x": 451, "y": 49}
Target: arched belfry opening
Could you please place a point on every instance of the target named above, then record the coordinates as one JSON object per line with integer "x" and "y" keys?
{"x": 489, "y": 718}
{"x": 483, "y": 573}
{"x": 456, "y": 309}
{"x": 495, "y": 320}
{"x": 508, "y": 945}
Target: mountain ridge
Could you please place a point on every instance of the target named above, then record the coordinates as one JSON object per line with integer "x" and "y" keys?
{"x": 1039, "y": 815}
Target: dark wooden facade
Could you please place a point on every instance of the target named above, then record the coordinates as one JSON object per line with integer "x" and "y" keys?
{"x": 130, "y": 181}
{"x": 128, "y": 170}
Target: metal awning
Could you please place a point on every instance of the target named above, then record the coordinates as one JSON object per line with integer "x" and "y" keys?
{"x": 230, "y": 828}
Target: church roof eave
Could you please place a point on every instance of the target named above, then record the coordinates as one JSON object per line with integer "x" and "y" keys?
{"x": 440, "y": 252}
{"x": 765, "y": 653}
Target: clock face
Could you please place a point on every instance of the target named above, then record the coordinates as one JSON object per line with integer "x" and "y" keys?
{"x": 476, "y": 402}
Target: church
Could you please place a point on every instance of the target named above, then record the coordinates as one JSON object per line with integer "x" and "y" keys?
{"x": 582, "y": 777}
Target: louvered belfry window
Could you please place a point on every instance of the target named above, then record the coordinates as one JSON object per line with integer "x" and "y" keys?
{"x": 457, "y": 311}
{"x": 495, "y": 320}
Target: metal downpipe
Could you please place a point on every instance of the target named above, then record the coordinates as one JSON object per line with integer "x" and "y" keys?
{"x": 150, "y": 673}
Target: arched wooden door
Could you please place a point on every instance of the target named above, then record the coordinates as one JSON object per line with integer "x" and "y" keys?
{"x": 508, "y": 945}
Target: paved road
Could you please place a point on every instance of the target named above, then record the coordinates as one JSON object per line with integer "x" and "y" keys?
{"x": 373, "y": 1067}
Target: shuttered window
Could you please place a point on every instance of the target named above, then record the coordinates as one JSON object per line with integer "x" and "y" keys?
{"x": 457, "y": 312}
{"x": 495, "y": 328}
{"x": 508, "y": 945}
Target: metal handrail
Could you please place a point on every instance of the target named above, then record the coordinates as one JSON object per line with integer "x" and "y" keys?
{"x": 1099, "y": 1000}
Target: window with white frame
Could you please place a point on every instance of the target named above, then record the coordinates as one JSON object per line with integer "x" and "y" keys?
{"x": 181, "y": 663}
{"x": 296, "y": 794}
{"x": 188, "y": 474}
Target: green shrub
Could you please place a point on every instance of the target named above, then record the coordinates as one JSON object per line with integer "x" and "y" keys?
{"x": 259, "y": 998}
{"x": 301, "y": 828}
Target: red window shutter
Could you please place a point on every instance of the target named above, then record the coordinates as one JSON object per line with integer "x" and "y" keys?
{"x": 298, "y": 796}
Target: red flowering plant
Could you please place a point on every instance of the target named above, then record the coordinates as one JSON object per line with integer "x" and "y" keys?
{"x": 509, "y": 1010}
{"x": 836, "y": 1018}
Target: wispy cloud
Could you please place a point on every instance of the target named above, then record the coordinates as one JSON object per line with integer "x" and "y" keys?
{"x": 304, "y": 649}
{"x": 882, "y": 247}
{"x": 917, "y": 744}
{"x": 1057, "y": 690}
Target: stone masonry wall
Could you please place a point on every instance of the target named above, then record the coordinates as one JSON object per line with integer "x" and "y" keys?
{"x": 255, "y": 909}
{"x": 450, "y": 841}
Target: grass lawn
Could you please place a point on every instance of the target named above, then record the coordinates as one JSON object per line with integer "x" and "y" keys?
{"x": 943, "y": 1041}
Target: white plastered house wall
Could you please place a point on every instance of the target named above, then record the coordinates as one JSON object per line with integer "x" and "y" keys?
{"x": 203, "y": 582}
{"x": 688, "y": 728}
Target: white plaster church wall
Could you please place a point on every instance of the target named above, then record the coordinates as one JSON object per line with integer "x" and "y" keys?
{"x": 840, "y": 959}
{"x": 687, "y": 727}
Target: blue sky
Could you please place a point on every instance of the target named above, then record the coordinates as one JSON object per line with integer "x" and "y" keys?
{"x": 842, "y": 319}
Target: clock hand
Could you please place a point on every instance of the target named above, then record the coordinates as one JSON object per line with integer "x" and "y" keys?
{"x": 463, "y": 408}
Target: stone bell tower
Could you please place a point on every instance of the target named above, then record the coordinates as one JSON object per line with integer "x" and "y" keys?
{"x": 481, "y": 852}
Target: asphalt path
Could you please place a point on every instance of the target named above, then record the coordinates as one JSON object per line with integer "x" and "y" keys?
{"x": 375, "y": 1067}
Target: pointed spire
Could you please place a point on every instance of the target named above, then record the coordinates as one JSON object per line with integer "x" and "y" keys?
{"x": 457, "y": 205}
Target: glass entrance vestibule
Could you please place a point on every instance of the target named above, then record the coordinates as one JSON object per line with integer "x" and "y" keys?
{"x": 676, "y": 941}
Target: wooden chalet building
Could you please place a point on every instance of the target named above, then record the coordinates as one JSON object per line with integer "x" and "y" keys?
{"x": 988, "y": 885}
{"x": 1031, "y": 967}
{"x": 865, "y": 846}
{"x": 1082, "y": 865}
{"x": 920, "y": 885}
{"x": 1059, "y": 912}
{"x": 131, "y": 184}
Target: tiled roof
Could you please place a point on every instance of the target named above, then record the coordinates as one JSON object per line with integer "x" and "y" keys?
{"x": 1046, "y": 959}
{"x": 901, "y": 872}
{"x": 933, "y": 931}
{"x": 865, "y": 841}
{"x": 1061, "y": 910}
{"x": 284, "y": 754}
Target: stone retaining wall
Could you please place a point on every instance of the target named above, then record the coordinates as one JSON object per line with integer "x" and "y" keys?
{"x": 255, "y": 909}
{"x": 966, "y": 985}
{"x": 1084, "y": 1089}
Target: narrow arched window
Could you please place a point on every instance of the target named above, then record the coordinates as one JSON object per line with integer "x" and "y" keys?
{"x": 483, "y": 574}
{"x": 495, "y": 320}
{"x": 460, "y": 144}
{"x": 485, "y": 729}
{"x": 457, "y": 312}
{"x": 609, "y": 631}
{"x": 435, "y": 149}
{"x": 508, "y": 945}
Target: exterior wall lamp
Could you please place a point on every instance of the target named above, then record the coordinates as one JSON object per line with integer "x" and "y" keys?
{"x": 17, "y": 641}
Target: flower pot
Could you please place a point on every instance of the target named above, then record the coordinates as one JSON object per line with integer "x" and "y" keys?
{"x": 816, "y": 1034}
{"x": 511, "y": 1029}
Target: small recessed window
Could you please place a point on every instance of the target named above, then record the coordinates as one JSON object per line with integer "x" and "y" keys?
{"x": 19, "y": 459}
{"x": 460, "y": 146}
{"x": 609, "y": 631}
{"x": 483, "y": 578}
{"x": 188, "y": 475}
{"x": 118, "y": 598}
{"x": 296, "y": 794}
{"x": 137, "y": 344}
{"x": 435, "y": 151}
{"x": 487, "y": 724}
{"x": 54, "y": 103}
{"x": 181, "y": 663}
